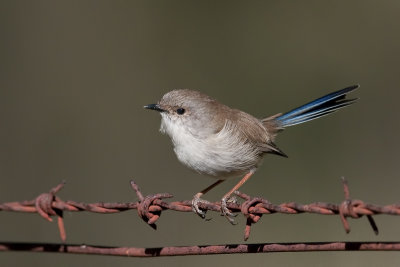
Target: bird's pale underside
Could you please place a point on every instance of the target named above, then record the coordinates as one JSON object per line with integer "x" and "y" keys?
{"x": 216, "y": 140}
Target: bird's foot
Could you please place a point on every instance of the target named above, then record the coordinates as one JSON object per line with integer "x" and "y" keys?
{"x": 226, "y": 212}
{"x": 195, "y": 206}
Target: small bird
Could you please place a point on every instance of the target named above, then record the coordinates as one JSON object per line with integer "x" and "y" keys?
{"x": 216, "y": 140}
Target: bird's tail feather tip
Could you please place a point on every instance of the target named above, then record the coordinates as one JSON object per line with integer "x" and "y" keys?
{"x": 317, "y": 108}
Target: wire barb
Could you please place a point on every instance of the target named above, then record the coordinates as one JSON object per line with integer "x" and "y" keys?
{"x": 44, "y": 206}
{"x": 251, "y": 218}
{"x": 347, "y": 209}
{"x": 148, "y": 209}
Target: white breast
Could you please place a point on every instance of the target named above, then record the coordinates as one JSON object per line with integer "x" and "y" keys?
{"x": 221, "y": 155}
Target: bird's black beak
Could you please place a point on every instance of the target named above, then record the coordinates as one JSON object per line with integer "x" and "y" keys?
{"x": 154, "y": 107}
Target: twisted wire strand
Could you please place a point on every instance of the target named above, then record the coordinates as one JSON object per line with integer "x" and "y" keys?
{"x": 149, "y": 208}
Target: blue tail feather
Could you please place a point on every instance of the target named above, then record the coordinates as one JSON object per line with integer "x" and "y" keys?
{"x": 317, "y": 108}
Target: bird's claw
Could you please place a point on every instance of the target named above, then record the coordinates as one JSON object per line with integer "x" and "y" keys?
{"x": 226, "y": 212}
{"x": 195, "y": 206}
{"x": 224, "y": 208}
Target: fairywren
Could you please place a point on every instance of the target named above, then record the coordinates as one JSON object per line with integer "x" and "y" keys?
{"x": 222, "y": 142}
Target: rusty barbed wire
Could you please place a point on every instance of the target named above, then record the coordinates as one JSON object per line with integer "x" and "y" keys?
{"x": 149, "y": 208}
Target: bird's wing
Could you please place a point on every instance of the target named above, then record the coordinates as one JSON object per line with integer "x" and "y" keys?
{"x": 257, "y": 133}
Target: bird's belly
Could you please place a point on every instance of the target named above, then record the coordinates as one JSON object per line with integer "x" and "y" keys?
{"x": 217, "y": 158}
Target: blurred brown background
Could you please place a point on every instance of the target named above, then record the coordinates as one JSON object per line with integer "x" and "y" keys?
{"x": 74, "y": 76}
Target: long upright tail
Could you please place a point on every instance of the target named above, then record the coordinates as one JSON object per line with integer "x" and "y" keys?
{"x": 317, "y": 108}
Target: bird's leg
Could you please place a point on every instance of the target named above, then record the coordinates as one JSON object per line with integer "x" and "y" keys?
{"x": 224, "y": 209}
{"x": 196, "y": 199}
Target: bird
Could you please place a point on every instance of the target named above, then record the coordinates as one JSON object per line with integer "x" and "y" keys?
{"x": 222, "y": 142}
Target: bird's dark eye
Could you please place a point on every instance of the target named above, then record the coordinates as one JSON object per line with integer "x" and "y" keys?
{"x": 180, "y": 111}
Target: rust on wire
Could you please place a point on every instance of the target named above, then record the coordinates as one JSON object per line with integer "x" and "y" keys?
{"x": 347, "y": 209}
{"x": 200, "y": 250}
{"x": 149, "y": 208}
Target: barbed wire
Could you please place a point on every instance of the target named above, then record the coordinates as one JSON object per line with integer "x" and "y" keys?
{"x": 149, "y": 208}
